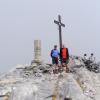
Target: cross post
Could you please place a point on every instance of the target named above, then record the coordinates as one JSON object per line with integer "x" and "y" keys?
{"x": 60, "y": 24}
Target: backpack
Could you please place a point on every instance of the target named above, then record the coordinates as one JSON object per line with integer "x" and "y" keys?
{"x": 64, "y": 53}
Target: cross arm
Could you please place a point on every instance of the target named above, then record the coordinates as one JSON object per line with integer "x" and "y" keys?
{"x": 58, "y": 23}
{"x": 62, "y": 24}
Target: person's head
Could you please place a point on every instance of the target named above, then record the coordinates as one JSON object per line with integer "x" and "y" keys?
{"x": 55, "y": 46}
{"x": 63, "y": 46}
{"x": 76, "y": 57}
{"x": 85, "y": 54}
{"x": 91, "y": 54}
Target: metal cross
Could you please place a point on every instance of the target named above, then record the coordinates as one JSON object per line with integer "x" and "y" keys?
{"x": 60, "y": 24}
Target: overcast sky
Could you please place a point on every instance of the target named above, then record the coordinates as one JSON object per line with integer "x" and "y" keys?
{"x": 22, "y": 21}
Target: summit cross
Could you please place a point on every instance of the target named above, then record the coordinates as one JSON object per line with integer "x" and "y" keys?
{"x": 60, "y": 25}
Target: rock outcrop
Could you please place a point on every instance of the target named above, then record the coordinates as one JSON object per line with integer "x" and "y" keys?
{"x": 36, "y": 82}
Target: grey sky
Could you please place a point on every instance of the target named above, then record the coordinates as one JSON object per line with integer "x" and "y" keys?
{"x": 22, "y": 21}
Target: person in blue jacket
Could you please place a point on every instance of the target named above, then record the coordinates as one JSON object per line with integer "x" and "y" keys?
{"x": 55, "y": 55}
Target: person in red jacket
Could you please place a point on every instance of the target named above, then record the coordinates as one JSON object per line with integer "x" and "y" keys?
{"x": 64, "y": 56}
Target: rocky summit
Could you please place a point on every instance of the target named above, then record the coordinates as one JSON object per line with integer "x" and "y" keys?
{"x": 37, "y": 82}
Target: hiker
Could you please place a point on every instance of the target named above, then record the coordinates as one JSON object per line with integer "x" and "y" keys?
{"x": 55, "y": 56}
{"x": 64, "y": 56}
{"x": 85, "y": 57}
{"x": 77, "y": 61}
{"x": 92, "y": 58}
